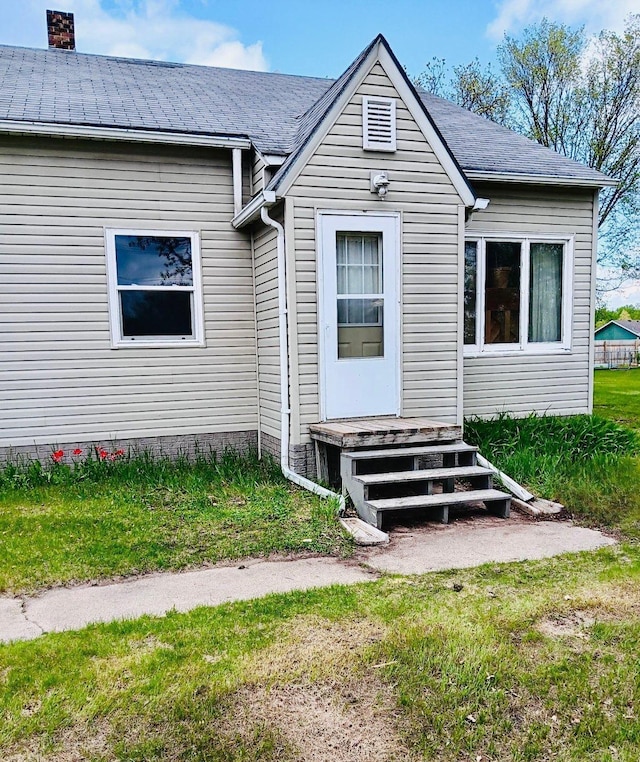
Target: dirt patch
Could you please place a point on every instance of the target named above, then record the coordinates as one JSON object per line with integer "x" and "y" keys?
{"x": 324, "y": 723}
{"x": 76, "y": 744}
{"x": 314, "y": 646}
{"x": 575, "y": 624}
{"x": 314, "y": 692}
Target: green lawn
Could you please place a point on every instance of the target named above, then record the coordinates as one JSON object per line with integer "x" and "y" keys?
{"x": 516, "y": 663}
{"x": 617, "y": 396}
{"x": 103, "y": 519}
{"x": 505, "y": 663}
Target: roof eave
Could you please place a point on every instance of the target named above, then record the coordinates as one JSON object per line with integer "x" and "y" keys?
{"x": 91, "y": 132}
{"x": 251, "y": 211}
{"x": 516, "y": 177}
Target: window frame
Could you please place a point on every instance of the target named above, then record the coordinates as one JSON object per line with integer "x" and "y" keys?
{"x": 524, "y": 346}
{"x": 118, "y": 341}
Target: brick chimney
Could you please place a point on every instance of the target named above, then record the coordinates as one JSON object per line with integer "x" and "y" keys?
{"x": 61, "y": 30}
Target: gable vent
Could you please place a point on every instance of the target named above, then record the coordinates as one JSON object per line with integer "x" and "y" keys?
{"x": 379, "y": 124}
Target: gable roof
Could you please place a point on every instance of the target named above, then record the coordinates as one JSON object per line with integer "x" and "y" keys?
{"x": 274, "y": 111}
{"x": 633, "y": 326}
{"x": 343, "y": 89}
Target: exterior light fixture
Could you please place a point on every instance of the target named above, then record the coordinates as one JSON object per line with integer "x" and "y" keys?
{"x": 380, "y": 183}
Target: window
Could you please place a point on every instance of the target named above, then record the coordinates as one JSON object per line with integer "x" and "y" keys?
{"x": 379, "y": 124}
{"x": 360, "y": 298}
{"x": 154, "y": 287}
{"x": 516, "y": 294}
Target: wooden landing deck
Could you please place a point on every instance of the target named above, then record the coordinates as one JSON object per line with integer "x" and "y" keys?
{"x": 350, "y": 433}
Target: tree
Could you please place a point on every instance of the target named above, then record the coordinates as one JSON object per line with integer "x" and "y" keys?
{"x": 470, "y": 86}
{"x": 482, "y": 91}
{"x": 542, "y": 71}
{"x": 582, "y": 98}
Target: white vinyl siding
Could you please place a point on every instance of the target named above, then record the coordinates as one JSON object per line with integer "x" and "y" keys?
{"x": 258, "y": 174}
{"x": 337, "y": 177}
{"x": 60, "y": 381}
{"x": 268, "y": 337}
{"x": 557, "y": 382}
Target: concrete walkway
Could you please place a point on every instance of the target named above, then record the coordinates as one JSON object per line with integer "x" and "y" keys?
{"x": 411, "y": 551}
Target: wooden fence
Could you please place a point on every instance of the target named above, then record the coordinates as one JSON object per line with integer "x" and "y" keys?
{"x": 617, "y": 354}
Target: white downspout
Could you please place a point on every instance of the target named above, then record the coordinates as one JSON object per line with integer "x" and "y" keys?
{"x": 236, "y": 156}
{"x": 285, "y": 412}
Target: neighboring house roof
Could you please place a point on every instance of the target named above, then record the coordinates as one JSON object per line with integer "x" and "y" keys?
{"x": 632, "y": 326}
{"x": 275, "y": 111}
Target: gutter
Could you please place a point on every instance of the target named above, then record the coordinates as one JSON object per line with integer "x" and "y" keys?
{"x": 285, "y": 411}
{"x": 47, "y": 129}
{"x": 252, "y": 210}
{"x": 509, "y": 177}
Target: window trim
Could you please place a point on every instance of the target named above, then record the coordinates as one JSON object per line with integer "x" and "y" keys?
{"x": 524, "y": 347}
{"x": 118, "y": 341}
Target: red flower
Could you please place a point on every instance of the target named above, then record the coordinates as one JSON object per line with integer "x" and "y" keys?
{"x": 119, "y": 453}
{"x": 77, "y": 451}
{"x": 102, "y": 453}
{"x": 58, "y": 455}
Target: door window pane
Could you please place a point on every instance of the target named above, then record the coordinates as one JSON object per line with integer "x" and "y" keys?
{"x": 470, "y": 279}
{"x": 359, "y": 265}
{"x": 502, "y": 293}
{"x": 360, "y": 328}
{"x": 545, "y": 292}
{"x": 359, "y": 271}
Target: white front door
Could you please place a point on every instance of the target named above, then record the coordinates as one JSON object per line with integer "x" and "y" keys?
{"x": 359, "y": 265}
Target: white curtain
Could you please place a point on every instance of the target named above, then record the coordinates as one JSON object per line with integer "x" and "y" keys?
{"x": 545, "y": 292}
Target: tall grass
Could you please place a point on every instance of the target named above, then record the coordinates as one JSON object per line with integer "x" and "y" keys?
{"x": 588, "y": 463}
{"x": 140, "y": 468}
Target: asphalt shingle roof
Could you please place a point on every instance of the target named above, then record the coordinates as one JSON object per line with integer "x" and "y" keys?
{"x": 630, "y": 325}
{"x": 275, "y": 111}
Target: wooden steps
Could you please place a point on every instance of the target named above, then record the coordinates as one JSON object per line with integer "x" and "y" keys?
{"x": 403, "y": 452}
{"x": 432, "y": 478}
{"x": 385, "y": 430}
{"x": 427, "y": 474}
{"x": 490, "y": 497}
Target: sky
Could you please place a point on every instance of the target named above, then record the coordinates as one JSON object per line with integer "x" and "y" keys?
{"x": 300, "y": 36}
{"x": 317, "y": 38}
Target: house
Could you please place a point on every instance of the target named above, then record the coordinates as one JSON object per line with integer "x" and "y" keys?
{"x": 617, "y": 343}
{"x": 233, "y": 258}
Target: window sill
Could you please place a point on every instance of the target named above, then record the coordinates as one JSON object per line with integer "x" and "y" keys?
{"x": 157, "y": 344}
{"x": 538, "y": 351}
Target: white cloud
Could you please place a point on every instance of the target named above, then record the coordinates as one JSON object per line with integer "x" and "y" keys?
{"x": 155, "y": 29}
{"x": 596, "y": 15}
{"x": 625, "y": 294}
{"x": 628, "y": 292}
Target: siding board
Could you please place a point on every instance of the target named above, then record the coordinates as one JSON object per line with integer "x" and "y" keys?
{"x": 268, "y": 339}
{"x": 337, "y": 177}
{"x": 551, "y": 383}
{"x": 59, "y": 378}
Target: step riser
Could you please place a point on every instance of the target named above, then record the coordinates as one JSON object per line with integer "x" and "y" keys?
{"x": 414, "y": 463}
{"x": 500, "y": 508}
{"x": 403, "y": 489}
